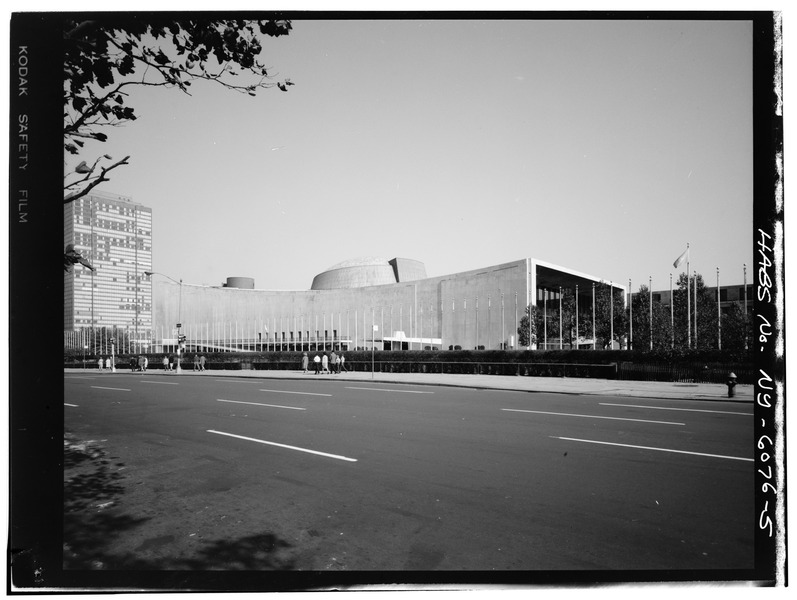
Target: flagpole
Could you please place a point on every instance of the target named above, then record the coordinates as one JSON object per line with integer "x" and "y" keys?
{"x": 672, "y": 316}
{"x": 611, "y": 315}
{"x": 561, "y": 335}
{"x": 695, "y": 274}
{"x": 719, "y": 313}
{"x": 650, "y": 291}
{"x": 630, "y": 317}
{"x": 593, "y": 317}
{"x": 545, "y": 319}
{"x": 745, "y": 304}
{"x": 688, "y": 302}
{"x": 577, "y": 338}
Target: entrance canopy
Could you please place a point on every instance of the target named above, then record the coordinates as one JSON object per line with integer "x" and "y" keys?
{"x": 552, "y": 277}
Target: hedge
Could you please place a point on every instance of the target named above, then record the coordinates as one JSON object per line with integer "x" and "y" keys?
{"x": 701, "y": 366}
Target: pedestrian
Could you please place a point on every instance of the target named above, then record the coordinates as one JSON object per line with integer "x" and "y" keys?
{"x": 332, "y": 358}
{"x": 133, "y": 363}
{"x": 166, "y": 363}
{"x": 305, "y": 361}
{"x": 196, "y": 362}
{"x": 325, "y": 363}
{"x": 145, "y": 363}
{"x": 99, "y": 362}
{"x": 317, "y": 363}
{"x": 342, "y": 363}
{"x": 337, "y": 365}
{"x": 202, "y": 363}
{"x": 108, "y": 363}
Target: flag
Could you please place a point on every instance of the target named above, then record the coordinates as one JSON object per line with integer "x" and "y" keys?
{"x": 679, "y": 261}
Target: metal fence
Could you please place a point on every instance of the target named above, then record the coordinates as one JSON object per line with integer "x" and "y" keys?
{"x": 685, "y": 372}
{"x": 664, "y": 372}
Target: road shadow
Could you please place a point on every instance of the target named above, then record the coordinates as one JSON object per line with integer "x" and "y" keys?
{"x": 95, "y": 521}
{"x": 91, "y": 486}
{"x": 259, "y": 552}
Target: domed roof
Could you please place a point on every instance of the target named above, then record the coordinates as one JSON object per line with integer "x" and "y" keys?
{"x": 361, "y": 261}
{"x": 367, "y": 271}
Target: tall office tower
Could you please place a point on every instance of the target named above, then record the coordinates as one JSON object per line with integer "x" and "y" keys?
{"x": 115, "y": 235}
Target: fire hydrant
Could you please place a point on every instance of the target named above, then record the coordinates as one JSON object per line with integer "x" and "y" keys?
{"x": 731, "y": 385}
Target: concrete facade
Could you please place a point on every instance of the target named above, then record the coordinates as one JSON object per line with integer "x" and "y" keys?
{"x": 477, "y": 308}
{"x": 115, "y": 235}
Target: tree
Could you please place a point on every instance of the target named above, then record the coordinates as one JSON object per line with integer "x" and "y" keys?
{"x": 523, "y": 328}
{"x": 684, "y": 317}
{"x": 609, "y": 302}
{"x": 105, "y": 57}
{"x": 662, "y": 330}
{"x": 737, "y": 329}
{"x": 73, "y": 257}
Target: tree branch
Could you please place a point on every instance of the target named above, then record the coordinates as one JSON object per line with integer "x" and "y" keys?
{"x": 100, "y": 179}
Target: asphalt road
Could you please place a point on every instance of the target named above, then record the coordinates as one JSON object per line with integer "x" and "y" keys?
{"x": 225, "y": 473}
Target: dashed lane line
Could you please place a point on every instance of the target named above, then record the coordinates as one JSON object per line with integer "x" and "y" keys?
{"x": 541, "y": 412}
{"x": 99, "y": 387}
{"x": 653, "y": 448}
{"x": 703, "y": 410}
{"x": 298, "y": 393}
{"x": 260, "y": 404}
{"x": 388, "y": 390}
{"x": 297, "y": 448}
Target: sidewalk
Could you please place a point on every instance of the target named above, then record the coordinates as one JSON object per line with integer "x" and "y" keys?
{"x": 562, "y": 385}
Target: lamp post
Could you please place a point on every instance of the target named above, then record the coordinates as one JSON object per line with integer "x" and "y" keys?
{"x": 374, "y": 329}
{"x": 179, "y": 310}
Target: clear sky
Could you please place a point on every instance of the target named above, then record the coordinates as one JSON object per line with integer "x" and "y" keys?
{"x": 600, "y": 146}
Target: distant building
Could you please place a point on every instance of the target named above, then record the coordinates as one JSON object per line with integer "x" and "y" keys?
{"x": 729, "y": 295}
{"x": 359, "y": 303}
{"x": 115, "y": 235}
{"x": 369, "y": 302}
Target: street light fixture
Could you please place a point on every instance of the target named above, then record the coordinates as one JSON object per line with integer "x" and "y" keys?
{"x": 179, "y": 310}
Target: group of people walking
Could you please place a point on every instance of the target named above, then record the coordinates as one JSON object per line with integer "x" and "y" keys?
{"x": 139, "y": 364}
{"x": 199, "y": 363}
{"x": 334, "y": 363}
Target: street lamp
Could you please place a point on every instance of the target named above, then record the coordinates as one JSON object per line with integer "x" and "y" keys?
{"x": 179, "y": 311}
{"x": 374, "y": 329}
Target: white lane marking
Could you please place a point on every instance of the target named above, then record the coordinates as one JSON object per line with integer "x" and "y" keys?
{"x": 653, "y": 448}
{"x": 79, "y": 377}
{"x": 72, "y": 405}
{"x": 249, "y": 439}
{"x": 388, "y": 390}
{"x": 299, "y": 393}
{"x": 720, "y": 412}
{"x": 160, "y": 382}
{"x": 542, "y": 412}
{"x": 110, "y": 388}
{"x": 259, "y": 404}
